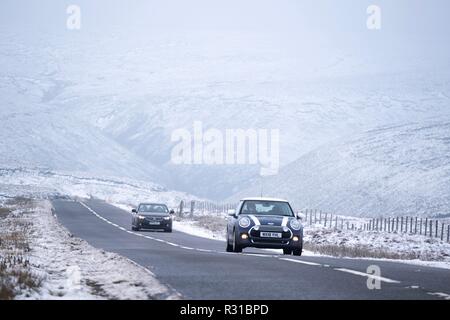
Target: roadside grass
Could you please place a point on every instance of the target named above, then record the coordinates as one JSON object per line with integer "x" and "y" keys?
{"x": 358, "y": 251}
{"x": 215, "y": 223}
{"x": 97, "y": 289}
{"x": 16, "y": 276}
{"x": 4, "y": 212}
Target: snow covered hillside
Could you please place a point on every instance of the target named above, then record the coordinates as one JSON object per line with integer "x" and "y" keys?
{"x": 37, "y": 183}
{"x": 105, "y": 99}
{"x": 68, "y": 111}
{"x": 392, "y": 170}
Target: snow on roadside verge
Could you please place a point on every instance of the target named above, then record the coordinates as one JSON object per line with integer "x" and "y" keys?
{"x": 72, "y": 269}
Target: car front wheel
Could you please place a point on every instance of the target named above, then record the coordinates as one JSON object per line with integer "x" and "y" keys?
{"x": 229, "y": 245}
{"x": 236, "y": 246}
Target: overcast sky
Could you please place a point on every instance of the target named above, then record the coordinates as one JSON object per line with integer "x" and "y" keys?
{"x": 329, "y": 16}
{"x": 410, "y": 29}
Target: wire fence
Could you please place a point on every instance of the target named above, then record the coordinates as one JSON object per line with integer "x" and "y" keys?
{"x": 434, "y": 228}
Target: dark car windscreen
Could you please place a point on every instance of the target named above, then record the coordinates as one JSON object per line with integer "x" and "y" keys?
{"x": 153, "y": 208}
{"x": 260, "y": 207}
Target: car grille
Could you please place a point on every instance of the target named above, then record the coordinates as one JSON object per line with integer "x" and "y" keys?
{"x": 270, "y": 228}
{"x": 152, "y": 219}
{"x": 255, "y": 235}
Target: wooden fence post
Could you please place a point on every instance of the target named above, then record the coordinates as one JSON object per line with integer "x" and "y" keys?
{"x": 442, "y": 231}
{"x": 406, "y": 225}
{"x": 431, "y": 228}
{"x": 420, "y": 227}
{"x": 181, "y": 208}
{"x": 448, "y": 233}
{"x": 335, "y": 225}
{"x": 415, "y": 225}
{"x": 315, "y": 216}
{"x": 426, "y": 226}
{"x": 401, "y": 225}
{"x": 192, "y": 208}
{"x": 326, "y": 216}
{"x": 436, "y": 227}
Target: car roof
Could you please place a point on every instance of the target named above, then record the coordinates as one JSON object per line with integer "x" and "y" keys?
{"x": 152, "y": 203}
{"x": 264, "y": 199}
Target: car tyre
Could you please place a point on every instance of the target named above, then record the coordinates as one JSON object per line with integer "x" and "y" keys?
{"x": 236, "y": 246}
{"x": 297, "y": 252}
{"x": 229, "y": 246}
{"x": 168, "y": 230}
{"x": 287, "y": 251}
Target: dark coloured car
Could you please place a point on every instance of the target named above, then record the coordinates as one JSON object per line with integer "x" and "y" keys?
{"x": 265, "y": 223}
{"x": 152, "y": 216}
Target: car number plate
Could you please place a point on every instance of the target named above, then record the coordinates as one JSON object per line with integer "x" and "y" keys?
{"x": 153, "y": 223}
{"x": 271, "y": 234}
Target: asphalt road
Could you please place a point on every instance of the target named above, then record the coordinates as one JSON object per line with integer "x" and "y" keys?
{"x": 199, "y": 268}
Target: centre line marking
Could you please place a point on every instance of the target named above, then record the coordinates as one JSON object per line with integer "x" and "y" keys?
{"x": 363, "y": 274}
{"x": 443, "y": 295}
{"x": 301, "y": 261}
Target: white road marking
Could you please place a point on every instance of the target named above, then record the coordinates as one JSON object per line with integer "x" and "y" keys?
{"x": 258, "y": 255}
{"x": 172, "y": 244}
{"x": 204, "y": 250}
{"x": 440, "y": 294}
{"x": 301, "y": 261}
{"x": 363, "y": 274}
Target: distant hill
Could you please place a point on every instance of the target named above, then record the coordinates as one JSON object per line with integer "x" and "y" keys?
{"x": 392, "y": 170}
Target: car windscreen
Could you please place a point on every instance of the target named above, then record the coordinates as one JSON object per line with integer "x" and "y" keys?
{"x": 154, "y": 208}
{"x": 261, "y": 207}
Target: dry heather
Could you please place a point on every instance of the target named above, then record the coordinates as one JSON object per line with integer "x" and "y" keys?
{"x": 15, "y": 271}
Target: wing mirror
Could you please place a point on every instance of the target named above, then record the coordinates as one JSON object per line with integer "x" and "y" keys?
{"x": 172, "y": 211}
{"x": 231, "y": 212}
{"x": 133, "y": 211}
{"x": 300, "y": 215}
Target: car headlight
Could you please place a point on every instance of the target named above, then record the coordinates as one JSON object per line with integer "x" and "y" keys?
{"x": 295, "y": 224}
{"x": 141, "y": 217}
{"x": 244, "y": 222}
{"x": 166, "y": 218}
